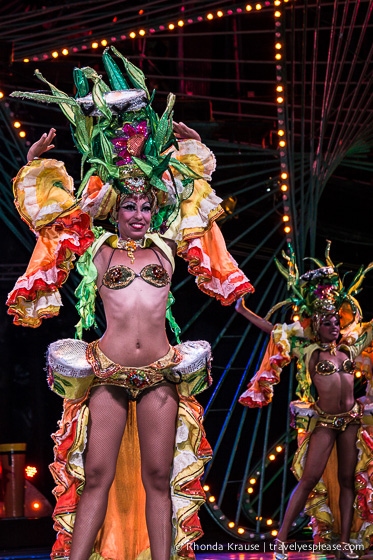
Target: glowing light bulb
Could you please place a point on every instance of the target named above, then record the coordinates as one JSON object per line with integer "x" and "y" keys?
{"x": 269, "y": 522}
{"x": 280, "y": 99}
{"x": 252, "y": 480}
{"x": 231, "y": 524}
{"x": 282, "y": 143}
{"x": 240, "y": 530}
{"x": 272, "y": 457}
{"x": 212, "y": 499}
{"x": 284, "y": 188}
{"x": 280, "y": 88}
{"x": 250, "y": 490}
{"x": 55, "y": 54}
{"x": 94, "y": 45}
{"x": 26, "y": 60}
{"x": 210, "y": 16}
{"x": 287, "y": 229}
{"x": 206, "y": 487}
{"x": 36, "y": 505}
{"x": 248, "y": 8}
{"x": 279, "y": 448}
{"x": 278, "y": 46}
{"x": 1, "y": 94}
{"x": 142, "y": 32}
{"x": 358, "y": 373}
{"x": 274, "y": 533}
{"x": 258, "y": 6}
{"x": 132, "y": 34}
{"x": 30, "y": 471}
{"x": 104, "y": 42}
{"x": 180, "y": 23}
{"x": 277, "y": 13}
{"x": 220, "y": 13}
{"x": 281, "y": 132}
{"x": 296, "y": 317}
{"x": 171, "y": 26}
{"x": 284, "y": 175}
{"x": 17, "y": 124}
{"x": 278, "y": 56}
{"x": 22, "y": 134}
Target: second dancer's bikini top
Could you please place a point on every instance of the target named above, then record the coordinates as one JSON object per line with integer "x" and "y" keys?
{"x": 120, "y": 276}
{"x": 327, "y": 367}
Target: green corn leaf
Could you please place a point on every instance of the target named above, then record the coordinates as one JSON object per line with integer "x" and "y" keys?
{"x": 112, "y": 170}
{"x": 282, "y": 269}
{"x": 134, "y": 73}
{"x": 115, "y": 76}
{"x": 183, "y": 169}
{"x": 162, "y": 134}
{"x": 106, "y": 147}
{"x": 158, "y": 183}
{"x": 162, "y": 164}
{"x": 83, "y": 133}
{"x": 145, "y": 167}
{"x": 81, "y": 82}
{"x": 100, "y": 102}
{"x": 65, "y": 105}
{"x": 91, "y": 74}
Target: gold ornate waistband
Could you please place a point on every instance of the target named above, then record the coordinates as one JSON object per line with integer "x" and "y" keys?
{"x": 339, "y": 421}
{"x": 133, "y": 379}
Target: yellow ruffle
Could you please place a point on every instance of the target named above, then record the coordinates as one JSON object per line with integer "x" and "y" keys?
{"x": 43, "y": 191}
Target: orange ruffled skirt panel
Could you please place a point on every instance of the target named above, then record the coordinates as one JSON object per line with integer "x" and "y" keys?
{"x": 124, "y": 533}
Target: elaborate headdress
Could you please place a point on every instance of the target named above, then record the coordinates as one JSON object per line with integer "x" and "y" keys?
{"x": 321, "y": 291}
{"x": 121, "y": 137}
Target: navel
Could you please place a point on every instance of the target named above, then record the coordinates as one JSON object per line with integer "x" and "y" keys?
{"x": 138, "y": 345}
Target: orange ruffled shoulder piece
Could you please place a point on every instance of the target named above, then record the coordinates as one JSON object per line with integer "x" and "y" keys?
{"x": 259, "y": 391}
{"x": 45, "y": 201}
{"x": 198, "y": 237}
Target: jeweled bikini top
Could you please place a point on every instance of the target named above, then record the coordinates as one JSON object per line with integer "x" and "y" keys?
{"x": 327, "y": 367}
{"x": 121, "y": 276}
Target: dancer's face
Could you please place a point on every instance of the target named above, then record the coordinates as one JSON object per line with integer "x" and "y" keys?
{"x": 134, "y": 217}
{"x": 329, "y": 328}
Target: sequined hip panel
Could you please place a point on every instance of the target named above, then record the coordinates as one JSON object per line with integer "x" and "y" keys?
{"x": 133, "y": 379}
{"x": 339, "y": 421}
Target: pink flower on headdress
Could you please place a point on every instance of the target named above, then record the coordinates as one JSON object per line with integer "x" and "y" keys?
{"x": 324, "y": 292}
{"x": 130, "y": 142}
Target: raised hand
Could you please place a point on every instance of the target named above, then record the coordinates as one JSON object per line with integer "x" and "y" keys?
{"x": 44, "y": 144}
{"x": 181, "y": 131}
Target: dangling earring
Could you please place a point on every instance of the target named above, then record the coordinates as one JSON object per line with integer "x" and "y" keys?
{"x": 116, "y": 228}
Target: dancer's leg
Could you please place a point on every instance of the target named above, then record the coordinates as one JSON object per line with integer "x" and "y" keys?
{"x": 156, "y": 420}
{"x": 347, "y": 457}
{"x": 107, "y": 419}
{"x": 319, "y": 449}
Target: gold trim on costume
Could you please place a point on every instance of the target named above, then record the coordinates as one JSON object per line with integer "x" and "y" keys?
{"x": 339, "y": 421}
{"x": 133, "y": 379}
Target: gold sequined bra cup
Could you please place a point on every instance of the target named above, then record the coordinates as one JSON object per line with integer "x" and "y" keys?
{"x": 327, "y": 367}
{"x": 121, "y": 276}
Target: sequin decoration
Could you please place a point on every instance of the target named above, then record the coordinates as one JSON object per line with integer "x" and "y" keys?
{"x": 155, "y": 275}
{"x": 118, "y": 277}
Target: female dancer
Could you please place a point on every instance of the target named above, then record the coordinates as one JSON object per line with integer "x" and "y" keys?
{"x": 133, "y": 408}
{"x": 328, "y": 363}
